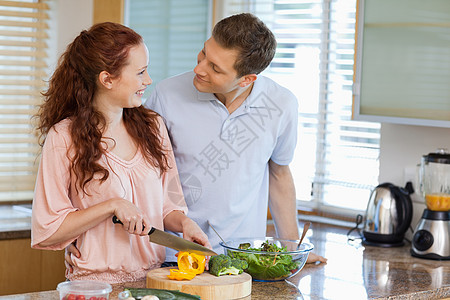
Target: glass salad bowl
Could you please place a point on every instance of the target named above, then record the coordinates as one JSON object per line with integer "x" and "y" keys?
{"x": 269, "y": 258}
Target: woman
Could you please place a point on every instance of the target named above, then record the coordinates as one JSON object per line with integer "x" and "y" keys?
{"x": 104, "y": 155}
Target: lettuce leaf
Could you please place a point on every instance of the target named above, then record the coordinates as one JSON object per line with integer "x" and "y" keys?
{"x": 268, "y": 267}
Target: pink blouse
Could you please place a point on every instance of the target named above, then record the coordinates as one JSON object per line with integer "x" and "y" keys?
{"x": 108, "y": 252}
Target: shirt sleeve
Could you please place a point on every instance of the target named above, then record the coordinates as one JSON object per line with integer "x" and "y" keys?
{"x": 284, "y": 150}
{"x": 51, "y": 203}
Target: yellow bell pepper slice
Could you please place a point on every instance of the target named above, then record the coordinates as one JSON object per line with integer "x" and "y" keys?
{"x": 176, "y": 274}
{"x": 191, "y": 262}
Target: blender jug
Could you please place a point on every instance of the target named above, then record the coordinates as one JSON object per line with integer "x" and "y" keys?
{"x": 435, "y": 180}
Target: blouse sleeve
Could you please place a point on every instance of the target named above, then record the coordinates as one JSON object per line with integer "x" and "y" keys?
{"x": 173, "y": 193}
{"x": 51, "y": 203}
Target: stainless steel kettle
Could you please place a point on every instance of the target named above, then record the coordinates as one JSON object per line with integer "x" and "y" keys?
{"x": 388, "y": 215}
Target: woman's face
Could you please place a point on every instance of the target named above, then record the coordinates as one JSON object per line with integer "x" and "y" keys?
{"x": 130, "y": 85}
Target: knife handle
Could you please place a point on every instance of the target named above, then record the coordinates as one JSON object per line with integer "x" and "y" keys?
{"x": 117, "y": 221}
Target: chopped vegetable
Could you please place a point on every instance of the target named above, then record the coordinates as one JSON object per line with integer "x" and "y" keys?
{"x": 189, "y": 265}
{"x": 177, "y": 274}
{"x": 244, "y": 246}
{"x": 267, "y": 267}
{"x": 191, "y": 262}
{"x": 225, "y": 265}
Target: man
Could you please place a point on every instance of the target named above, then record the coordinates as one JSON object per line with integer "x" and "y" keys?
{"x": 233, "y": 133}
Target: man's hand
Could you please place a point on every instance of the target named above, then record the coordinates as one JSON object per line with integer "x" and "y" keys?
{"x": 193, "y": 233}
{"x": 70, "y": 250}
{"x": 314, "y": 258}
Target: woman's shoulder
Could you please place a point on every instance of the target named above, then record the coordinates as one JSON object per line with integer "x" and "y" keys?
{"x": 60, "y": 132}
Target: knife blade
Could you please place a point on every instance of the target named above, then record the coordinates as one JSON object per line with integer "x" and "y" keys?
{"x": 172, "y": 241}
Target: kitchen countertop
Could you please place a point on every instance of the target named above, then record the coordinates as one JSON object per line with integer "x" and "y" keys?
{"x": 353, "y": 271}
{"x": 15, "y": 221}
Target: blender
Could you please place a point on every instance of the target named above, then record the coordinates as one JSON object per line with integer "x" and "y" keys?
{"x": 431, "y": 238}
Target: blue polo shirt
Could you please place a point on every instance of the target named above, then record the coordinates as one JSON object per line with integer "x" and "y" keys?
{"x": 222, "y": 158}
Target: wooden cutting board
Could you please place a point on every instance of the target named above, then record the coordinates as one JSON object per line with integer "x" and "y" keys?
{"x": 205, "y": 285}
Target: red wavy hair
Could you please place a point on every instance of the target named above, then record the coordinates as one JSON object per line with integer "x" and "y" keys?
{"x": 104, "y": 47}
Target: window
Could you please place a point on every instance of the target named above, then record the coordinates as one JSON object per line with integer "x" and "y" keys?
{"x": 23, "y": 52}
{"x": 336, "y": 161}
{"x": 174, "y": 32}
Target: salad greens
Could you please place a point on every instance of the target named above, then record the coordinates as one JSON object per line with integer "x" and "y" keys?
{"x": 267, "y": 266}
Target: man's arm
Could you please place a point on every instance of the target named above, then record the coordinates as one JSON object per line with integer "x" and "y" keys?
{"x": 282, "y": 204}
{"x": 282, "y": 201}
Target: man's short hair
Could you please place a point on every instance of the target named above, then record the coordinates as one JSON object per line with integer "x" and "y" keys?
{"x": 251, "y": 37}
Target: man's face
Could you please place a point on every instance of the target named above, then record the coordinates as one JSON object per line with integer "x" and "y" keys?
{"x": 214, "y": 71}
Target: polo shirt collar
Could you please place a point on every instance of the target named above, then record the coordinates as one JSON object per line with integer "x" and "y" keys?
{"x": 255, "y": 99}
{"x": 205, "y": 96}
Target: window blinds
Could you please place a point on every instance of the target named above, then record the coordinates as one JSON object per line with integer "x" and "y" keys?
{"x": 174, "y": 32}
{"x": 336, "y": 161}
{"x": 23, "y": 52}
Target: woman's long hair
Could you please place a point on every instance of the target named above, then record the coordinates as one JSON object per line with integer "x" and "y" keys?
{"x": 104, "y": 47}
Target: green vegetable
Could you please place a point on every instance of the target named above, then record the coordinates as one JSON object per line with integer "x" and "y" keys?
{"x": 224, "y": 265}
{"x": 267, "y": 266}
{"x": 139, "y": 293}
{"x": 240, "y": 264}
{"x": 244, "y": 246}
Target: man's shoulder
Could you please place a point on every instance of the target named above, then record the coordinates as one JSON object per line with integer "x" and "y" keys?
{"x": 171, "y": 92}
{"x": 274, "y": 90}
{"x": 183, "y": 80}
{"x": 272, "y": 85}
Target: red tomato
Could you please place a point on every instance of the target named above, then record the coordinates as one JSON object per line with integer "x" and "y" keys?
{"x": 70, "y": 297}
{"x": 80, "y": 297}
{"x": 101, "y": 298}
{"x": 93, "y": 298}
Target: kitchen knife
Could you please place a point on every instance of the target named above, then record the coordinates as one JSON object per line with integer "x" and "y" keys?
{"x": 172, "y": 241}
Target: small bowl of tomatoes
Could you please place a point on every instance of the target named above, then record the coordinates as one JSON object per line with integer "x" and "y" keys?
{"x": 84, "y": 290}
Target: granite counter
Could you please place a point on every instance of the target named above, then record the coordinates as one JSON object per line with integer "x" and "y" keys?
{"x": 353, "y": 271}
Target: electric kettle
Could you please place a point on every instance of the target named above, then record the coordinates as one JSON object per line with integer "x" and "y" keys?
{"x": 388, "y": 215}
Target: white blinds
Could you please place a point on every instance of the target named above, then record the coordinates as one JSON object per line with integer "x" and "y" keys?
{"x": 22, "y": 69}
{"x": 336, "y": 161}
{"x": 173, "y": 30}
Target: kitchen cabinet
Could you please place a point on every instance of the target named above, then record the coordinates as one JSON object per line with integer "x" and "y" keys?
{"x": 28, "y": 270}
{"x": 402, "y": 66}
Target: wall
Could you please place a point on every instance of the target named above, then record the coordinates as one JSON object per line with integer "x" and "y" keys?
{"x": 71, "y": 17}
{"x": 402, "y": 147}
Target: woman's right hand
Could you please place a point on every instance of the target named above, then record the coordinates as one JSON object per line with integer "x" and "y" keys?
{"x": 71, "y": 250}
{"x": 133, "y": 220}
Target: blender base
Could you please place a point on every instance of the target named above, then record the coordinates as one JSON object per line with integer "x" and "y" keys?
{"x": 431, "y": 238}
{"x": 383, "y": 245}
{"x": 431, "y": 256}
